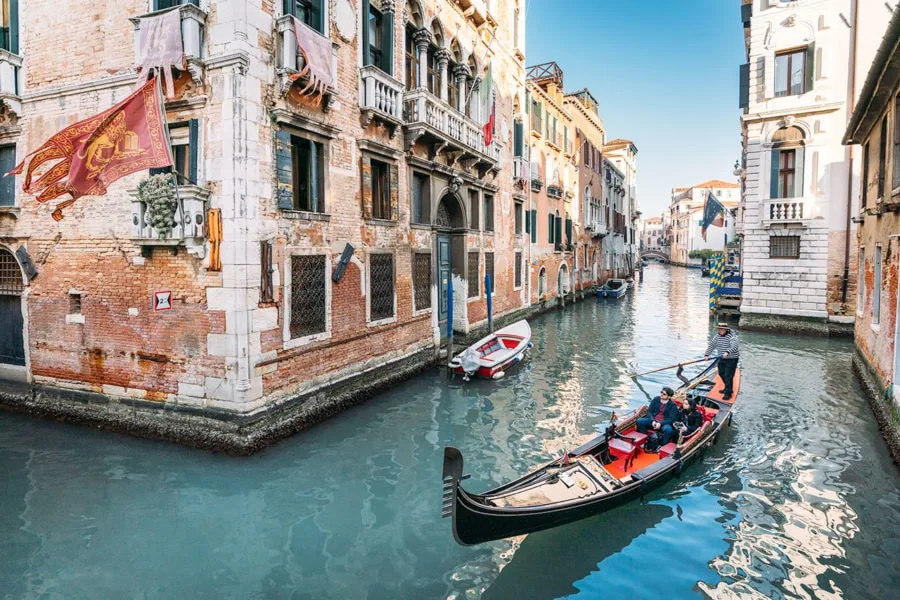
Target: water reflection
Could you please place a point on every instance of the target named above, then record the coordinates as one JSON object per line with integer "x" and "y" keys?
{"x": 799, "y": 498}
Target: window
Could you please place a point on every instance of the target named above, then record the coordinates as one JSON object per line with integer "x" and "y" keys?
{"x": 7, "y": 184}
{"x": 876, "y": 287}
{"x": 488, "y": 216}
{"x": 536, "y": 116}
{"x": 519, "y": 207}
{"x": 164, "y": 4}
{"x": 860, "y": 281}
{"x": 516, "y": 28}
{"x": 517, "y": 270}
{"x": 376, "y": 38}
{"x": 489, "y": 271}
{"x": 75, "y": 303}
{"x": 473, "y": 275}
{"x": 381, "y": 190}
{"x": 306, "y": 11}
{"x": 865, "y": 176}
{"x": 791, "y": 71}
{"x": 9, "y": 26}
{"x": 551, "y": 227}
{"x": 473, "y": 209}
{"x": 412, "y": 58}
{"x": 300, "y": 170}
{"x": 896, "y": 169}
{"x": 787, "y": 163}
{"x": 421, "y": 199}
{"x": 184, "y": 140}
{"x": 882, "y": 157}
{"x": 308, "y": 283}
{"x": 422, "y": 280}
{"x": 381, "y": 286}
{"x": 265, "y": 272}
{"x": 784, "y": 246}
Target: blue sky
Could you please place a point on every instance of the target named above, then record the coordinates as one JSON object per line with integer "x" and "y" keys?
{"x": 665, "y": 74}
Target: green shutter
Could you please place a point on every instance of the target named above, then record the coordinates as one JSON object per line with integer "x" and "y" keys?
{"x": 773, "y": 175}
{"x": 533, "y": 226}
{"x": 810, "y": 66}
{"x": 364, "y": 9}
{"x": 518, "y": 138}
{"x": 288, "y": 7}
{"x": 194, "y": 149}
{"x": 527, "y": 216}
{"x": 284, "y": 170}
{"x": 387, "y": 37}
{"x": 314, "y": 158}
{"x": 565, "y": 139}
{"x": 550, "y": 227}
{"x": 14, "y": 26}
{"x": 798, "y": 172}
{"x": 569, "y": 232}
{"x": 744, "y": 86}
{"x": 558, "y": 238}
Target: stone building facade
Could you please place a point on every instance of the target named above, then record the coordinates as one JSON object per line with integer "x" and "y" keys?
{"x": 339, "y": 221}
{"x": 686, "y": 211}
{"x": 614, "y": 257}
{"x": 799, "y": 182}
{"x": 623, "y": 155}
{"x": 875, "y": 127}
{"x": 652, "y": 234}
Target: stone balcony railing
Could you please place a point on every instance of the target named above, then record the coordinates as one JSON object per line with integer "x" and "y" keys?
{"x": 10, "y": 67}
{"x": 189, "y": 221}
{"x": 193, "y": 22}
{"x": 786, "y": 211}
{"x": 425, "y": 114}
{"x": 290, "y": 61}
{"x": 380, "y": 97}
{"x": 521, "y": 170}
{"x": 554, "y": 191}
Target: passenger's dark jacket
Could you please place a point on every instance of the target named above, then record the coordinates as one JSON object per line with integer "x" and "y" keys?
{"x": 692, "y": 419}
{"x": 670, "y": 413}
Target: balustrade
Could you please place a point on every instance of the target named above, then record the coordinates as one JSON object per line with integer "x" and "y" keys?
{"x": 381, "y": 92}
{"x": 422, "y": 107}
{"x": 786, "y": 211}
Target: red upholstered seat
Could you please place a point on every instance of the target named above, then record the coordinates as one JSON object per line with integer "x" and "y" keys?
{"x": 637, "y": 438}
{"x": 667, "y": 450}
{"x": 621, "y": 448}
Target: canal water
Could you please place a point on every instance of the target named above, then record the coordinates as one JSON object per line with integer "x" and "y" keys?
{"x": 799, "y": 498}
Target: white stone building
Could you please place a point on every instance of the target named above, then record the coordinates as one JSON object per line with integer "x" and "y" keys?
{"x": 686, "y": 213}
{"x": 651, "y": 234}
{"x": 623, "y": 154}
{"x": 799, "y": 184}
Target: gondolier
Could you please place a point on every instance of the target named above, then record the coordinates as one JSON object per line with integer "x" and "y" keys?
{"x": 726, "y": 345}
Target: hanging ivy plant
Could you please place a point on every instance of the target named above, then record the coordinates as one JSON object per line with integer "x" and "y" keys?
{"x": 159, "y": 194}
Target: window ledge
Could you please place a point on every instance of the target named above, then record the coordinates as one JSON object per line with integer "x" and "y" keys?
{"x": 305, "y": 340}
{"x": 379, "y": 322}
{"x": 10, "y": 210}
{"x": 382, "y": 222}
{"x": 304, "y": 215}
{"x": 424, "y": 226}
{"x": 424, "y": 311}
{"x": 875, "y": 327}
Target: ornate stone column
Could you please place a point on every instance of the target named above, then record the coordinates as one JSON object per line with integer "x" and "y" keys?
{"x": 443, "y": 59}
{"x": 422, "y": 38}
{"x": 461, "y": 73}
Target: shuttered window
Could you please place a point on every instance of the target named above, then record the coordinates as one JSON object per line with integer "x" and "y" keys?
{"x": 421, "y": 199}
{"x": 381, "y": 190}
{"x": 518, "y": 139}
{"x": 488, "y": 215}
{"x": 184, "y": 138}
{"x": 473, "y": 209}
{"x": 518, "y": 218}
{"x": 7, "y": 183}
{"x": 876, "y": 287}
{"x": 794, "y": 71}
{"x": 265, "y": 272}
{"x": 300, "y": 171}
{"x": 882, "y": 157}
{"x": 9, "y": 28}
{"x": 517, "y": 270}
{"x": 378, "y": 38}
{"x": 744, "y": 86}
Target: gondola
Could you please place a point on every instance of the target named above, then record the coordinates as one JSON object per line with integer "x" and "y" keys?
{"x": 614, "y": 288}
{"x": 490, "y": 356}
{"x": 609, "y": 470}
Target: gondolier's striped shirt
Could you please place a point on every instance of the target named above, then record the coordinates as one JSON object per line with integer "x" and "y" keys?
{"x": 721, "y": 344}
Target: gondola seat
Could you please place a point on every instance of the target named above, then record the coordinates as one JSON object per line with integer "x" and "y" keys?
{"x": 622, "y": 449}
{"x": 667, "y": 450}
{"x": 636, "y": 437}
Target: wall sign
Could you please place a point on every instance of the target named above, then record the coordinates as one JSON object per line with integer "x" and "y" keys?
{"x": 162, "y": 300}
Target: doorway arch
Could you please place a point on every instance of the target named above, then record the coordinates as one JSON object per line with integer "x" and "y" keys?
{"x": 12, "y": 324}
{"x": 449, "y": 227}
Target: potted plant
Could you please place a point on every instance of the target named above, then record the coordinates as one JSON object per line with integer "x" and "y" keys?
{"x": 159, "y": 194}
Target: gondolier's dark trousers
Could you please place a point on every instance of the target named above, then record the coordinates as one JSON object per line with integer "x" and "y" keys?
{"x": 727, "y": 367}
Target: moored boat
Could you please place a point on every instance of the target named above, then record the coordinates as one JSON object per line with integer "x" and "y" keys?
{"x": 613, "y": 288}
{"x": 490, "y": 356}
{"x": 607, "y": 471}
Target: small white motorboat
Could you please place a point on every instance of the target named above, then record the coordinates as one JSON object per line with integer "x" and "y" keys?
{"x": 614, "y": 288}
{"x": 490, "y": 356}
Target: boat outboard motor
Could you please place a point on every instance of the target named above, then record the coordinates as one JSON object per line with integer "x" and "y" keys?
{"x": 469, "y": 362}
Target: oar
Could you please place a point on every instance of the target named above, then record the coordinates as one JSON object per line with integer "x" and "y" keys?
{"x": 681, "y": 364}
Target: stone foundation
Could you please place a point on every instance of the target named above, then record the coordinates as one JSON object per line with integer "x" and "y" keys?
{"x": 887, "y": 413}
{"x": 795, "y": 325}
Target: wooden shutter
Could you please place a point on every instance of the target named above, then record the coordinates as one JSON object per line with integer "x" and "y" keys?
{"x": 533, "y": 226}
{"x": 773, "y": 174}
{"x": 288, "y": 7}
{"x": 569, "y": 232}
{"x": 744, "y": 86}
{"x": 387, "y": 41}
{"x": 315, "y": 170}
{"x": 284, "y": 170}
{"x": 810, "y": 66}
{"x": 265, "y": 271}
{"x": 7, "y": 184}
{"x": 194, "y": 149}
{"x": 14, "y": 26}
{"x": 550, "y": 227}
{"x": 799, "y": 156}
{"x": 364, "y": 8}
{"x": 518, "y": 138}
{"x": 527, "y": 216}
{"x": 393, "y": 181}
{"x": 558, "y": 238}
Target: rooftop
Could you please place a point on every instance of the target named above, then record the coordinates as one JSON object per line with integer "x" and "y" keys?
{"x": 716, "y": 183}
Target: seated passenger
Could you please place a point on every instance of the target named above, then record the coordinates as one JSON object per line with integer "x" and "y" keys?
{"x": 689, "y": 417}
{"x": 660, "y": 416}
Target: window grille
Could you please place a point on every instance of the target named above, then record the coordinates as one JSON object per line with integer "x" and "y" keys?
{"x": 10, "y": 274}
{"x": 518, "y": 270}
{"x": 381, "y": 286}
{"x": 307, "y": 295}
{"x": 473, "y": 275}
{"x": 422, "y": 280}
{"x": 489, "y": 269}
{"x": 784, "y": 246}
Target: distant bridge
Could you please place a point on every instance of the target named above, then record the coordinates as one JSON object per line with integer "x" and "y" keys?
{"x": 654, "y": 254}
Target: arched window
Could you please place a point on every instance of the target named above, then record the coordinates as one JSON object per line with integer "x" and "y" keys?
{"x": 10, "y": 274}
{"x": 786, "y": 172}
{"x": 542, "y": 282}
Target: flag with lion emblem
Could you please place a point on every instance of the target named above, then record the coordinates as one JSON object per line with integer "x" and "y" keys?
{"x": 128, "y": 137}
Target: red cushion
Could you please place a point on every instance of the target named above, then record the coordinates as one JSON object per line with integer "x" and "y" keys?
{"x": 620, "y": 448}
{"x": 637, "y": 438}
{"x": 667, "y": 450}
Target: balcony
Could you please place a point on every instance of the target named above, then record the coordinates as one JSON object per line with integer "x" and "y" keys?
{"x": 554, "y": 191}
{"x": 380, "y": 97}
{"x": 290, "y": 61}
{"x": 10, "y": 67}
{"x": 786, "y": 211}
{"x": 430, "y": 120}
{"x": 521, "y": 170}
{"x": 193, "y": 21}
{"x": 188, "y": 222}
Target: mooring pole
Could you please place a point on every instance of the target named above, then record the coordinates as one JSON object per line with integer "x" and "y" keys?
{"x": 450, "y": 319}
{"x": 488, "y": 289}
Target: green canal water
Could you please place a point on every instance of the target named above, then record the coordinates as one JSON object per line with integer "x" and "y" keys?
{"x": 799, "y": 498}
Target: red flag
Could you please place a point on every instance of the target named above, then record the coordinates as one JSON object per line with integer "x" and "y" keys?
{"x": 95, "y": 152}
{"x": 488, "y": 129}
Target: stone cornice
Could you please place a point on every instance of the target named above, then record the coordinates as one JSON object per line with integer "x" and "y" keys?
{"x": 81, "y": 87}
{"x": 793, "y": 111}
{"x": 240, "y": 59}
{"x": 382, "y": 150}
{"x": 304, "y": 123}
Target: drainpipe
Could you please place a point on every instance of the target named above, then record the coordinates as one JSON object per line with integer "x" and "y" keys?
{"x": 849, "y": 153}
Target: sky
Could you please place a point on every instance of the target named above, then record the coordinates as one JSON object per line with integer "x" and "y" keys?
{"x": 665, "y": 74}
